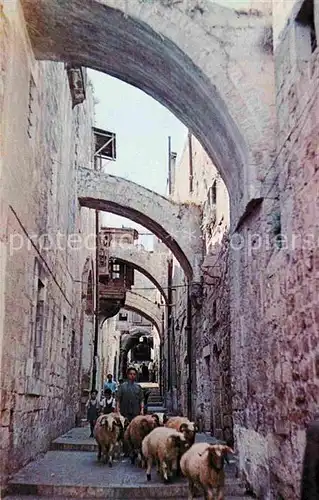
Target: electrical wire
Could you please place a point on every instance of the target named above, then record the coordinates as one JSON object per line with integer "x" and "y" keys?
{"x": 40, "y": 256}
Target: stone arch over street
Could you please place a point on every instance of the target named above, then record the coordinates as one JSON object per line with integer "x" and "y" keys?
{"x": 152, "y": 264}
{"x": 141, "y": 305}
{"x": 128, "y": 342}
{"x": 177, "y": 225}
{"x": 196, "y": 60}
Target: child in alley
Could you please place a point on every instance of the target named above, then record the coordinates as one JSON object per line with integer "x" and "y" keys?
{"x": 93, "y": 410}
{"x": 108, "y": 402}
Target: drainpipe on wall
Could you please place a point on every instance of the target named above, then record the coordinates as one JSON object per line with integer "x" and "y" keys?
{"x": 169, "y": 167}
{"x": 160, "y": 368}
{"x": 169, "y": 323}
{"x": 173, "y": 171}
{"x": 190, "y": 153}
{"x": 189, "y": 353}
{"x": 161, "y": 358}
{"x": 96, "y": 324}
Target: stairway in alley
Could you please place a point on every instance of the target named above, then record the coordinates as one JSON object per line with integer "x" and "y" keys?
{"x": 155, "y": 400}
{"x": 70, "y": 470}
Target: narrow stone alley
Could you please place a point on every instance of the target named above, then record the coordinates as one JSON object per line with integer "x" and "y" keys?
{"x": 71, "y": 470}
{"x": 62, "y": 473}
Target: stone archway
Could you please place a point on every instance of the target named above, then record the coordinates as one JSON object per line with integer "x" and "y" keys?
{"x": 153, "y": 265}
{"x": 140, "y": 304}
{"x": 177, "y": 225}
{"x": 210, "y": 65}
{"x": 128, "y": 342}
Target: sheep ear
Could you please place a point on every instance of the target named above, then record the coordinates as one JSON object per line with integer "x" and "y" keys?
{"x": 155, "y": 417}
{"x": 165, "y": 418}
{"x": 229, "y": 450}
{"x": 104, "y": 422}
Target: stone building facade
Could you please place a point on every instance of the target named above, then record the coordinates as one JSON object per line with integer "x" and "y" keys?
{"x": 45, "y": 246}
{"x": 197, "y": 181}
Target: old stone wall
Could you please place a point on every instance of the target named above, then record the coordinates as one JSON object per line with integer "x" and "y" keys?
{"x": 212, "y": 345}
{"x": 274, "y": 284}
{"x": 210, "y": 349}
{"x": 42, "y": 260}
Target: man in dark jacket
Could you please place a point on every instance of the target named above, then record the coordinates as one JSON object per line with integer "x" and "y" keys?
{"x": 130, "y": 397}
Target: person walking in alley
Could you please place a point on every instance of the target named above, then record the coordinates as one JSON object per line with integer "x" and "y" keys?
{"x": 93, "y": 410}
{"x": 110, "y": 383}
{"x": 108, "y": 403}
{"x": 145, "y": 373}
{"x": 130, "y": 397}
{"x": 150, "y": 370}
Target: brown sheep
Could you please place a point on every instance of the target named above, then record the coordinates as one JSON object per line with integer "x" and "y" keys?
{"x": 164, "y": 446}
{"x": 107, "y": 431}
{"x": 188, "y": 428}
{"x": 136, "y": 432}
{"x": 182, "y": 424}
{"x": 203, "y": 465}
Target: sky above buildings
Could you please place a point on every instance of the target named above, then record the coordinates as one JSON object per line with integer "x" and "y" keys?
{"x": 142, "y": 126}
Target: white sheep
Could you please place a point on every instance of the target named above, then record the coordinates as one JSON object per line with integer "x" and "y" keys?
{"x": 107, "y": 432}
{"x": 164, "y": 446}
{"x": 203, "y": 465}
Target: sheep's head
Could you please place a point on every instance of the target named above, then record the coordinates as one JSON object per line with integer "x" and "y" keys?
{"x": 178, "y": 443}
{"x": 189, "y": 431}
{"x": 104, "y": 422}
{"x": 147, "y": 424}
{"x": 217, "y": 454}
{"x": 122, "y": 423}
{"x": 156, "y": 419}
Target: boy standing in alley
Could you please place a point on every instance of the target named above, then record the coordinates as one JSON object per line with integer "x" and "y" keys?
{"x": 129, "y": 397}
{"x": 93, "y": 410}
{"x": 110, "y": 383}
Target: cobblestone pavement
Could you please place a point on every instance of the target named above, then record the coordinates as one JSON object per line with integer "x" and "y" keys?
{"x": 77, "y": 474}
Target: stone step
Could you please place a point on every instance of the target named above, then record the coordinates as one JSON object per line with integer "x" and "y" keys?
{"x": 31, "y": 497}
{"x": 63, "y": 446}
{"x": 156, "y": 409}
{"x": 159, "y": 492}
{"x": 80, "y": 475}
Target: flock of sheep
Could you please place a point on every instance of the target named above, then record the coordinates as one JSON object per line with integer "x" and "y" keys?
{"x": 170, "y": 443}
